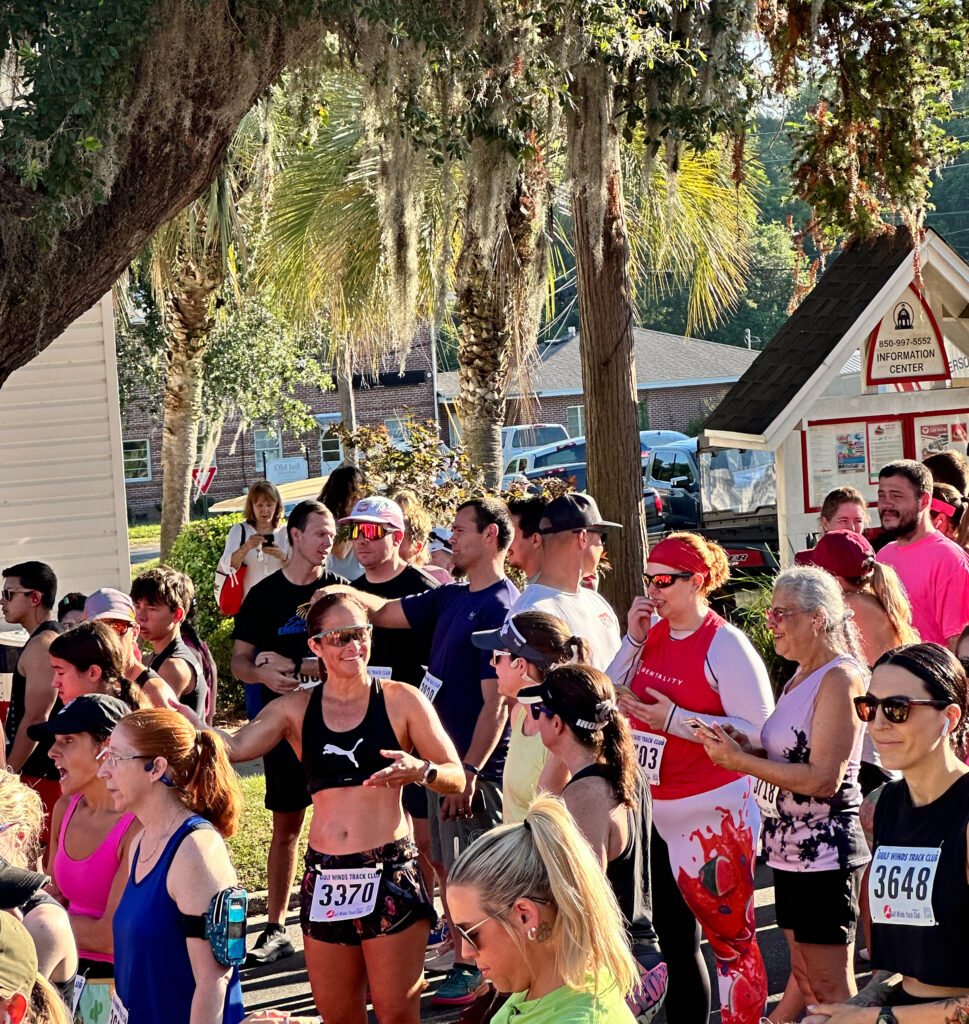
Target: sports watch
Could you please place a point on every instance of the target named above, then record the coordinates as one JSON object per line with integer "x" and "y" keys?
{"x": 886, "y": 1016}
{"x": 430, "y": 774}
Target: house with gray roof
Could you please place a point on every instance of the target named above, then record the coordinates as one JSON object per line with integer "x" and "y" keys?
{"x": 679, "y": 381}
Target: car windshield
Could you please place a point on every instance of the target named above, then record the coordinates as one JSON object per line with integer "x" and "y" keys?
{"x": 535, "y": 437}
{"x": 737, "y": 480}
{"x": 561, "y": 456}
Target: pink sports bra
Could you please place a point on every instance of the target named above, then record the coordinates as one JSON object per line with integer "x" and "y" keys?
{"x": 86, "y": 884}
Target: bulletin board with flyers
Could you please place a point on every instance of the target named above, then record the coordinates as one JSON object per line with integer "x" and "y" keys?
{"x": 849, "y": 453}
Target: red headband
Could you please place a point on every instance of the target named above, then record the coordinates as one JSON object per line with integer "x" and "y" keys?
{"x": 938, "y": 505}
{"x": 679, "y": 555}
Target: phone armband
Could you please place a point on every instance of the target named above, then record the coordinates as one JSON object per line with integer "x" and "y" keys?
{"x": 223, "y": 925}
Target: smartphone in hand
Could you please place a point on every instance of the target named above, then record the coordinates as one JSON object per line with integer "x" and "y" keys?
{"x": 697, "y": 725}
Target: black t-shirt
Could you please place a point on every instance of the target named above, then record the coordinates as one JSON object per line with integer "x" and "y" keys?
{"x": 405, "y": 652}
{"x": 268, "y": 619}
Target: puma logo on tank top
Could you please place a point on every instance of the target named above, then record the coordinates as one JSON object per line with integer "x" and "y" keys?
{"x": 332, "y": 748}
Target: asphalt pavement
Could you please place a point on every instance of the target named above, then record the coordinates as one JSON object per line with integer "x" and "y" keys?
{"x": 284, "y": 986}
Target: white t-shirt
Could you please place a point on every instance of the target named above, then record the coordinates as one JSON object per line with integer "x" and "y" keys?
{"x": 586, "y": 613}
{"x": 258, "y": 565}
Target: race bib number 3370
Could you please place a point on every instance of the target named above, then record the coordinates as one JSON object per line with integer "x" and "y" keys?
{"x": 900, "y": 885}
{"x": 344, "y": 894}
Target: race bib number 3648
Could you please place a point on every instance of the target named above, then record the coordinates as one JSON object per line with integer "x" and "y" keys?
{"x": 900, "y": 885}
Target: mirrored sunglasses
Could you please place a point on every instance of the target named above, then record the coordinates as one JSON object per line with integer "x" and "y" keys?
{"x": 342, "y": 637}
{"x": 895, "y": 709}
{"x": 368, "y": 531}
{"x": 662, "y": 580}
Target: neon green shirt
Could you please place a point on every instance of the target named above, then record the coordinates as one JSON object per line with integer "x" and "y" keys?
{"x": 567, "y": 1006}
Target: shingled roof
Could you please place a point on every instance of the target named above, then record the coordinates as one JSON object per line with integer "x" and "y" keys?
{"x": 812, "y": 332}
{"x": 662, "y": 360}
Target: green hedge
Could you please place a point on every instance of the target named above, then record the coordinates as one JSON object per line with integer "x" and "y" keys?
{"x": 196, "y": 552}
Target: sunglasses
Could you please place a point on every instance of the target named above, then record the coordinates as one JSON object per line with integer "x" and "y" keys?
{"x": 344, "y": 636}
{"x": 778, "y": 615}
{"x": 369, "y": 531}
{"x": 7, "y": 594}
{"x": 662, "y": 580}
{"x": 118, "y": 625}
{"x": 466, "y": 933}
{"x": 496, "y": 656}
{"x": 895, "y": 709}
{"x": 538, "y": 710}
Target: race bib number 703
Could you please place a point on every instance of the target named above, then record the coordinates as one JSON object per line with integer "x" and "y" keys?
{"x": 649, "y": 753}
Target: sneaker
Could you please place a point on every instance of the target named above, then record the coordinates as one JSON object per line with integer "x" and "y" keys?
{"x": 439, "y": 935}
{"x": 271, "y": 946}
{"x": 458, "y": 987}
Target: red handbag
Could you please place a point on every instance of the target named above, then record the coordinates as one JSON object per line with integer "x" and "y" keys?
{"x": 230, "y": 586}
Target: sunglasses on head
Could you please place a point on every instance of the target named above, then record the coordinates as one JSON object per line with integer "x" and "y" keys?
{"x": 662, "y": 580}
{"x": 895, "y": 709}
{"x": 344, "y": 636}
{"x": 368, "y": 531}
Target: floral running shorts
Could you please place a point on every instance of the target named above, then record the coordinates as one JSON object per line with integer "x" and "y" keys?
{"x": 334, "y": 885}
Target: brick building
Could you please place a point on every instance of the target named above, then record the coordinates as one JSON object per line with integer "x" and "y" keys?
{"x": 678, "y": 380}
{"x": 386, "y": 398}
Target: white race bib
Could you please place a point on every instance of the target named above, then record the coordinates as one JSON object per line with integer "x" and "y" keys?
{"x": 342, "y": 894}
{"x": 765, "y": 793}
{"x": 649, "y": 753}
{"x": 79, "y": 982}
{"x": 900, "y": 885}
{"x": 430, "y": 686}
{"x": 379, "y": 671}
{"x": 119, "y": 1015}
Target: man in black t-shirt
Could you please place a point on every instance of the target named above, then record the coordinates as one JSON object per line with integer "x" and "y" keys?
{"x": 270, "y": 649}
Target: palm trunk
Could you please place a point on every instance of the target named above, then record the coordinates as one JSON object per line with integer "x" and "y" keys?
{"x": 606, "y": 329}
{"x": 189, "y": 327}
{"x": 344, "y": 390}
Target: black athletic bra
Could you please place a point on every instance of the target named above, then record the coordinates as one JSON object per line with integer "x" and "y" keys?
{"x": 332, "y": 760}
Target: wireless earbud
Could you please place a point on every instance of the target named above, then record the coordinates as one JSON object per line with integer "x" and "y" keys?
{"x": 150, "y": 765}
{"x": 946, "y": 727}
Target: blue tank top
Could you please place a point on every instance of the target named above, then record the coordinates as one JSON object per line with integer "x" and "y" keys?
{"x": 152, "y": 971}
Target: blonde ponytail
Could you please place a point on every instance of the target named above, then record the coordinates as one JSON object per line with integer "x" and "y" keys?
{"x": 46, "y": 1005}
{"x": 887, "y": 587}
{"x": 547, "y": 857}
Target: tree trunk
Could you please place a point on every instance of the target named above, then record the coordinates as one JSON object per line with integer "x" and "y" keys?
{"x": 344, "y": 390}
{"x": 189, "y": 325}
{"x": 606, "y": 330}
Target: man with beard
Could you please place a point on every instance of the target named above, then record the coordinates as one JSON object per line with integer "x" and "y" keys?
{"x": 933, "y": 569}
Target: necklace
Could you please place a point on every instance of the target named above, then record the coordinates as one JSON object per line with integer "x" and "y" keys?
{"x": 165, "y": 834}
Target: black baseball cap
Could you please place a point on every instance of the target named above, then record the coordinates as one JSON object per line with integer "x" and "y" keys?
{"x": 573, "y": 512}
{"x": 508, "y": 638}
{"x": 92, "y": 712}
{"x": 17, "y": 885}
{"x": 590, "y": 715}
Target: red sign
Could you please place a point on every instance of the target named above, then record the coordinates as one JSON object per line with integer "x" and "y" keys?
{"x": 203, "y": 478}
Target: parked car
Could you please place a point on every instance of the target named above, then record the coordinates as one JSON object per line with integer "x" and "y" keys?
{"x": 523, "y": 437}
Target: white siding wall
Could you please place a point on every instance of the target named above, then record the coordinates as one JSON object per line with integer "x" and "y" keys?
{"x": 62, "y": 497}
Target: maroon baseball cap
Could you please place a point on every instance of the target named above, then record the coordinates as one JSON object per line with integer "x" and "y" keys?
{"x": 840, "y": 552}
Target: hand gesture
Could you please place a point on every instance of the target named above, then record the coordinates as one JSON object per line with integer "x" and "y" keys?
{"x": 654, "y": 714}
{"x": 639, "y": 618}
{"x": 406, "y": 768}
{"x": 722, "y": 749}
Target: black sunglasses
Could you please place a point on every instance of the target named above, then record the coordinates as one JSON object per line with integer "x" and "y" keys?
{"x": 895, "y": 709}
{"x": 538, "y": 710}
{"x": 662, "y": 580}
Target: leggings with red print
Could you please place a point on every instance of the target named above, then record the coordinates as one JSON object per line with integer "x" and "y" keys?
{"x": 702, "y": 862}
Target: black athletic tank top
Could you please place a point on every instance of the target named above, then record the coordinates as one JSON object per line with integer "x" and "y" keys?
{"x": 628, "y": 873}
{"x": 38, "y": 765}
{"x": 332, "y": 760}
{"x": 39, "y": 898}
{"x": 195, "y": 699}
{"x": 934, "y": 954}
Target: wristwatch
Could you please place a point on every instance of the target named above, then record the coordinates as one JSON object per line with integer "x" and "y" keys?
{"x": 430, "y": 774}
{"x": 886, "y": 1016}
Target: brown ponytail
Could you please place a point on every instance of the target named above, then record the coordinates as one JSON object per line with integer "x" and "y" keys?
{"x": 551, "y": 637}
{"x": 198, "y": 765}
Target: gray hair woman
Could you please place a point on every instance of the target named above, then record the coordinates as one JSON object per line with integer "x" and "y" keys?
{"x": 807, "y": 784}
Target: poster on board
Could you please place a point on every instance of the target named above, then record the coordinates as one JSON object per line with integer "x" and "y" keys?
{"x": 837, "y": 456}
{"x": 939, "y": 431}
{"x": 886, "y": 443}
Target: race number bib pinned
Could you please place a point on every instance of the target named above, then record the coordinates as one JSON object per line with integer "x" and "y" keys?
{"x": 343, "y": 894}
{"x": 900, "y": 885}
{"x": 649, "y": 753}
{"x": 379, "y": 671}
{"x": 430, "y": 686}
{"x": 119, "y": 1015}
{"x": 79, "y": 982}
{"x": 766, "y": 796}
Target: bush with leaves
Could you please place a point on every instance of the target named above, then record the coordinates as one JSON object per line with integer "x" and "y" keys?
{"x": 196, "y": 553}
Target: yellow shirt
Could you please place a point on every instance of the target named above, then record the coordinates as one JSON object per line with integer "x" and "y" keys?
{"x": 523, "y": 765}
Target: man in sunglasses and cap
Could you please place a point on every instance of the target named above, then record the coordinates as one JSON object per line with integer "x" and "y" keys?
{"x": 573, "y": 535}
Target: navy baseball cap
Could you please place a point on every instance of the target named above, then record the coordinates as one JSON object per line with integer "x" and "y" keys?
{"x": 91, "y": 712}
{"x": 573, "y": 512}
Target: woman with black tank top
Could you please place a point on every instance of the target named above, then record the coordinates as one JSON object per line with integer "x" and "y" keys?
{"x": 608, "y": 796}
{"x": 364, "y": 911}
{"x": 918, "y": 889}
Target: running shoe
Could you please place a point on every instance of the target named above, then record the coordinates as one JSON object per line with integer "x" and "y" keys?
{"x": 271, "y": 946}
{"x": 459, "y": 986}
{"x": 439, "y": 935}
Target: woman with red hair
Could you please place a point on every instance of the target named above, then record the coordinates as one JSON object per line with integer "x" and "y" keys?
{"x": 681, "y": 665}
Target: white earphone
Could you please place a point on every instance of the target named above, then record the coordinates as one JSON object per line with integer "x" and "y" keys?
{"x": 945, "y": 728}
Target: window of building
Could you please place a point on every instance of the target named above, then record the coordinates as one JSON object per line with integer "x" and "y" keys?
{"x": 396, "y": 428}
{"x": 137, "y": 460}
{"x": 268, "y": 443}
{"x": 575, "y": 420}
{"x": 331, "y": 453}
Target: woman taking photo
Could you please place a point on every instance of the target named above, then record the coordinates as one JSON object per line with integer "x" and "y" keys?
{"x": 530, "y": 908}
{"x": 179, "y": 783}
{"x": 526, "y": 647}
{"x": 916, "y": 709}
{"x": 608, "y": 797}
{"x": 690, "y": 663}
{"x": 354, "y": 735}
{"x": 90, "y": 840}
{"x": 807, "y": 765}
{"x": 259, "y": 542}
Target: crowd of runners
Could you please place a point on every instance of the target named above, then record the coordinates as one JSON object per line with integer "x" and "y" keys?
{"x": 586, "y": 802}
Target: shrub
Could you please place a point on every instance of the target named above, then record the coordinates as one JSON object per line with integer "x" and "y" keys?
{"x": 196, "y": 552}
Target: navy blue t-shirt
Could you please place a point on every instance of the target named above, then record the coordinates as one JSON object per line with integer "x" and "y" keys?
{"x": 456, "y": 667}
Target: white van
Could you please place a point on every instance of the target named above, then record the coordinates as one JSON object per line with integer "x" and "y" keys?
{"x": 523, "y": 437}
